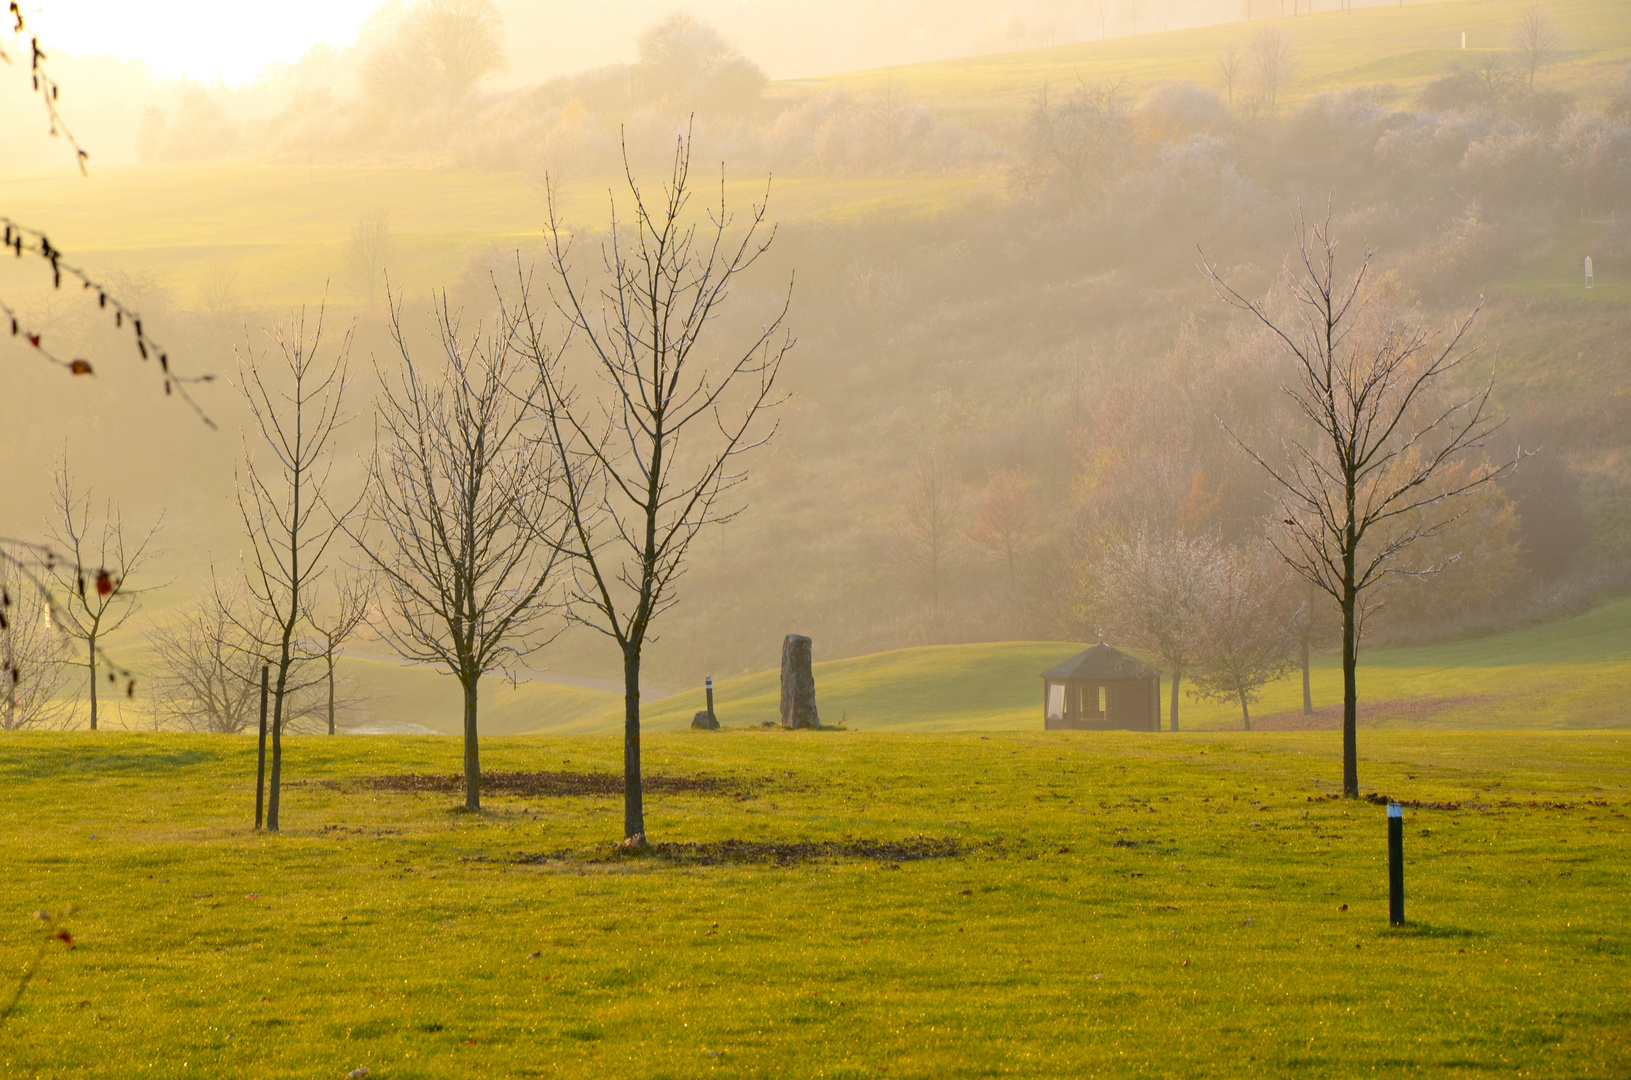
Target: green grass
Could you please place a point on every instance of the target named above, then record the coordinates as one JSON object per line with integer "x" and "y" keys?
{"x": 1571, "y": 673}
{"x": 1405, "y": 46}
{"x": 283, "y": 233}
{"x": 1128, "y": 905}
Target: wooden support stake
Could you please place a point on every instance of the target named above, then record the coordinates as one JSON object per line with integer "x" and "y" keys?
{"x": 260, "y": 760}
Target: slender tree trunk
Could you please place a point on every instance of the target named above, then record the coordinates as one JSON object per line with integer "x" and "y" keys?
{"x": 1308, "y": 696}
{"x": 1177, "y": 676}
{"x": 260, "y": 758}
{"x": 1245, "y": 711}
{"x": 472, "y": 749}
{"x": 634, "y": 813}
{"x": 1350, "y": 687}
{"x": 331, "y": 691}
{"x": 275, "y": 788}
{"x": 90, "y": 648}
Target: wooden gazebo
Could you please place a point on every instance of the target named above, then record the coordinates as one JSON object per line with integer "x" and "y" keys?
{"x": 1102, "y": 689}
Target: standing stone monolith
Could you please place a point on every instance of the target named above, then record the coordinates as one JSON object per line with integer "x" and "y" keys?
{"x": 798, "y": 684}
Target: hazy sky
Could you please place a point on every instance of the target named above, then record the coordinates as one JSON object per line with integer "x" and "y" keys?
{"x": 230, "y": 40}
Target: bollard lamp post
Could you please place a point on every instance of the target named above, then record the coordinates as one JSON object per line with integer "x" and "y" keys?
{"x": 1395, "y": 863}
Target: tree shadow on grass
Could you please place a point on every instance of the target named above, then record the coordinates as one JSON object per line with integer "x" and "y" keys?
{"x": 98, "y": 762}
{"x": 1433, "y": 930}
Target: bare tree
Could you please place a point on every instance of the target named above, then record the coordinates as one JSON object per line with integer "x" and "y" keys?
{"x": 1388, "y": 445}
{"x": 931, "y": 528}
{"x": 209, "y": 664}
{"x": 1227, "y": 63}
{"x": 1005, "y": 522}
{"x": 96, "y": 601}
{"x": 1535, "y": 40}
{"x": 1249, "y": 629}
{"x": 643, "y": 467}
{"x": 1270, "y": 62}
{"x": 296, "y": 401}
{"x": 460, "y": 495}
{"x": 370, "y": 249}
{"x": 1150, "y": 589}
{"x": 440, "y": 50}
{"x": 332, "y": 624}
{"x": 33, "y": 655}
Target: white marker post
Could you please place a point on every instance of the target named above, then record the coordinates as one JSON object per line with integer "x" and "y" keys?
{"x": 1589, "y": 282}
{"x": 1395, "y": 863}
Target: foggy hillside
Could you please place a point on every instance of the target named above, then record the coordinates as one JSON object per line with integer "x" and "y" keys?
{"x": 998, "y": 293}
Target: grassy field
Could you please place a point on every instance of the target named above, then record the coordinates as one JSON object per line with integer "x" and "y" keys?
{"x": 1573, "y": 673}
{"x": 1403, "y": 46}
{"x": 1090, "y": 905}
{"x": 278, "y": 236}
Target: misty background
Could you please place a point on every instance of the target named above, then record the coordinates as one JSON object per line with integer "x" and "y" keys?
{"x": 1007, "y": 357}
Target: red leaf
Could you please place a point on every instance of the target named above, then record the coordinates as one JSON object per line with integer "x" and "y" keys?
{"x": 104, "y": 583}
{"x": 78, "y": 367}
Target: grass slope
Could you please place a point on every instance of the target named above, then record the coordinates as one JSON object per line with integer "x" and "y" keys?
{"x": 282, "y": 234}
{"x": 1406, "y": 46}
{"x": 1125, "y": 906}
{"x": 1570, "y": 673}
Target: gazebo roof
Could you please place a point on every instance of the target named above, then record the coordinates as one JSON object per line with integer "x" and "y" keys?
{"x": 1101, "y": 663}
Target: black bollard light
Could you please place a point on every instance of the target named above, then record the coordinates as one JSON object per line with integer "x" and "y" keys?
{"x": 1395, "y": 863}
{"x": 711, "y": 715}
{"x": 260, "y": 759}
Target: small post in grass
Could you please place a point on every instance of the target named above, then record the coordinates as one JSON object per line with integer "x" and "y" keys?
{"x": 260, "y": 760}
{"x": 1395, "y": 863}
{"x": 710, "y": 685}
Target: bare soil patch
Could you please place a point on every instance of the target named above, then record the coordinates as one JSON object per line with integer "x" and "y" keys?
{"x": 779, "y": 853}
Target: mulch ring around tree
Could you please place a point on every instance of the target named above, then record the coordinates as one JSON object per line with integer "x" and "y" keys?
{"x": 780, "y": 853}
{"x": 545, "y": 783}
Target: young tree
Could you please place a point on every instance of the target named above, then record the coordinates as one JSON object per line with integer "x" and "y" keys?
{"x": 1151, "y": 589}
{"x": 459, "y": 497}
{"x": 370, "y": 248}
{"x": 1388, "y": 448}
{"x": 643, "y": 467}
{"x": 931, "y": 529}
{"x": 1005, "y": 522}
{"x": 1227, "y": 63}
{"x": 1271, "y": 63}
{"x": 332, "y": 624}
{"x": 96, "y": 601}
{"x": 209, "y": 664}
{"x": 1535, "y": 40}
{"x": 1249, "y": 628}
{"x": 33, "y": 655}
{"x": 296, "y": 400}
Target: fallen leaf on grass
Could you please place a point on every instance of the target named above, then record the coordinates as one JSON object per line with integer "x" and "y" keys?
{"x": 1100, "y": 975}
{"x": 534, "y": 955}
{"x": 1344, "y": 907}
{"x": 252, "y": 896}
{"x": 357, "y": 1073}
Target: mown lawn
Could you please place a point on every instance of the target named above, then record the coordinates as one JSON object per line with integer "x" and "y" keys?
{"x": 1567, "y": 673}
{"x": 1120, "y": 905}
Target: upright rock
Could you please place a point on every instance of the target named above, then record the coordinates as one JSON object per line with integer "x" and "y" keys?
{"x": 798, "y": 684}
{"x": 704, "y": 721}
